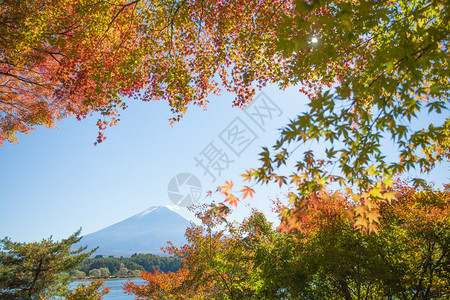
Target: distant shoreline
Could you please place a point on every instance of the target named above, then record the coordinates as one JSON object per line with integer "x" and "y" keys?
{"x": 115, "y": 278}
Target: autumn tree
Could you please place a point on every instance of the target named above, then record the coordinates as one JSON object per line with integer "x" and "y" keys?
{"x": 225, "y": 263}
{"x": 39, "y": 269}
{"x": 159, "y": 285}
{"x": 60, "y": 58}
{"x": 407, "y": 259}
{"x": 84, "y": 58}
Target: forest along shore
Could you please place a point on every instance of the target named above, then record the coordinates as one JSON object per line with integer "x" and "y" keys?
{"x": 123, "y": 268}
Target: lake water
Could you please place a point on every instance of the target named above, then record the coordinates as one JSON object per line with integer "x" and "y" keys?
{"x": 115, "y": 288}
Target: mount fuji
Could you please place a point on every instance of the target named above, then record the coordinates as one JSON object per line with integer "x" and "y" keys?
{"x": 145, "y": 232}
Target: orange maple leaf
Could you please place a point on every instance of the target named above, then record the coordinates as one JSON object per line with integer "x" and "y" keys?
{"x": 232, "y": 200}
{"x": 225, "y": 188}
{"x": 247, "y": 192}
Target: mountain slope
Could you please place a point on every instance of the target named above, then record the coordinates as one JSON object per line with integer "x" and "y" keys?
{"x": 145, "y": 232}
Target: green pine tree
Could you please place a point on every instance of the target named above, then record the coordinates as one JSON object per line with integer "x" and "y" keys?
{"x": 38, "y": 269}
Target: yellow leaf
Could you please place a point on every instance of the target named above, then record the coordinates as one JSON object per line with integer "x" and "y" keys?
{"x": 361, "y": 222}
{"x": 373, "y": 217}
{"x": 360, "y": 210}
{"x": 389, "y": 197}
{"x": 376, "y": 193}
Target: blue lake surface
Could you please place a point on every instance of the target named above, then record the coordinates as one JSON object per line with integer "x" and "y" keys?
{"x": 115, "y": 288}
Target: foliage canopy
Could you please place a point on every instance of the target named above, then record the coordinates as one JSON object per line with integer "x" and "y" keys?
{"x": 369, "y": 68}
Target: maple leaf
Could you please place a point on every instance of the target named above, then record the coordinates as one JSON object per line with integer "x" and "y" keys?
{"x": 373, "y": 217}
{"x": 389, "y": 197}
{"x": 360, "y": 210}
{"x": 376, "y": 192}
{"x": 247, "y": 192}
{"x": 361, "y": 223}
{"x": 225, "y": 188}
{"x": 373, "y": 228}
{"x": 248, "y": 174}
{"x": 232, "y": 200}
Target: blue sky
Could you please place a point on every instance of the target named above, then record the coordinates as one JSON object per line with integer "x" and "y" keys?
{"x": 55, "y": 181}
